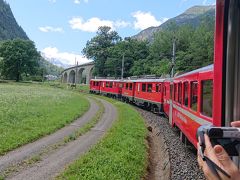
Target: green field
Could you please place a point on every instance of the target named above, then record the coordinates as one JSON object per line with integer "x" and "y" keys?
{"x": 29, "y": 111}
{"x": 121, "y": 154}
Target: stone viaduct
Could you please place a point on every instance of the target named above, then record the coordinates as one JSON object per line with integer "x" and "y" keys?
{"x": 78, "y": 74}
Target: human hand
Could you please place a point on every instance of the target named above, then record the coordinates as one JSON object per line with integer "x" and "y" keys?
{"x": 220, "y": 157}
{"x": 235, "y": 123}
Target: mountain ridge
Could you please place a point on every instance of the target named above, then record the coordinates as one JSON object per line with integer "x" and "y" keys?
{"x": 9, "y": 28}
{"x": 191, "y": 16}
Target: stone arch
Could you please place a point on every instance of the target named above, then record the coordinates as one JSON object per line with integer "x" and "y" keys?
{"x": 90, "y": 75}
{"x": 80, "y": 75}
{"x": 72, "y": 76}
{"x": 65, "y": 77}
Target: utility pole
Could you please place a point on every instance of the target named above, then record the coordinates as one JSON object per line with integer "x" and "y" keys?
{"x": 122, "y": 66}
{"x": 174, "y": 56}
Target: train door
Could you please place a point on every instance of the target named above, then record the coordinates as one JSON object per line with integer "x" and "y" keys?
{"x": 165, "y": 89}
{"x": 133, "y": 90}
{"x": 170, "y": 102}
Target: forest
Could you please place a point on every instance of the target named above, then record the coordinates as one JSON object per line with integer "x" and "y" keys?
{"x": 194, "y": 49}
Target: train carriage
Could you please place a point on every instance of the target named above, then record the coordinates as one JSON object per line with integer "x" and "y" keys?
{"x": 128, "y": 90}
{"x": 95, "y": 86}
{"x": 192, "y": 101}
{"x": 149, "y": 93}
{"x": 111, "y": 88}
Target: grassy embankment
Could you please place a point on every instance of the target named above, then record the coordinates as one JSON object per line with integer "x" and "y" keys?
{"x": 29, "y": 111}
{"x": 121, "y": 154}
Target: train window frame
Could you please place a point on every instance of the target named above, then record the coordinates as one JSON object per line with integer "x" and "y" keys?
{"x": 149, "y": 87}
{"x": 157, "y": 87}
{"x": 165, "y": 90}
{"x": 160, "y": 87}
{"x": 192, "y": 83}
{"x": 130, "y": 86}
{"x": 171, "y": 91}
{"x": 180, "y": 92}
{"x": 144, "y": 87}
{"x": 175, "y": 92}
{"x": 185, "y": 92}
{"x": 126, "y": 86}
{"x": 202, "y": 106}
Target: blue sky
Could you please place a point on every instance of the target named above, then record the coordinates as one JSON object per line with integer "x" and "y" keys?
{"x": 61, "y": 28}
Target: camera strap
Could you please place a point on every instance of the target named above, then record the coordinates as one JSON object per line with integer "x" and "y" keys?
{"x": 212, "y": 166}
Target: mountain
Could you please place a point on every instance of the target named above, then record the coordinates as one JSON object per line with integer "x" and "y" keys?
{"x": 50, "y": 68}
{"x": 9, "y": 28}
{"x": 192, "y": 16}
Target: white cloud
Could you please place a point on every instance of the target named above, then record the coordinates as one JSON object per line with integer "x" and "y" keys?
{"x": 121, "y": 24}
{"x": 77, "y": 1}
{"x": 50, "y": 29}
{"x": 64, "y": 57}
{"x": 92, "y": 24}
{"x": 145, "y": 20}
{"x": 86, "y": 1}
{"x": 52, "y": 1}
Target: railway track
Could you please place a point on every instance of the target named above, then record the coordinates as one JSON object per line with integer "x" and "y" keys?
{"x": 178, "y": 161}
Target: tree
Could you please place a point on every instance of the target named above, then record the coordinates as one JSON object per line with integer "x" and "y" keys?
{"x": 97, "y": 48}
{"x": 18, "y": 57}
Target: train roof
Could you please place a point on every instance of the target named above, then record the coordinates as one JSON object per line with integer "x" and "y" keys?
{"x": 203, "y": 69}
{"x": 110, "y": 80}
{"x": 143, "y": 80}
{"x": 130, "y": 80}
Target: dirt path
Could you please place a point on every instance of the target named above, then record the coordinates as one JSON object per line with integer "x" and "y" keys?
{"x": 54, "y": 163}
{"x": 28, "y": 150}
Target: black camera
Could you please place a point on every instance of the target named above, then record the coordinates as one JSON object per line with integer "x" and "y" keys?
{"x": 227, "y": 137}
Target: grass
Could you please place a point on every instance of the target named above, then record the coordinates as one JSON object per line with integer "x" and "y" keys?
{"x": 121, "y": 154}
{"x": 29, "y": 111}
{"x": 87, "y": 126}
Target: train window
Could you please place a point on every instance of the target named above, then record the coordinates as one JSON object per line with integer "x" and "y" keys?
{"x": 175, "y": 92}
{"x": 144, "y": 87}
{"x": 171, "y": 91}
{"x": 165, "y": 90}
{"x": 107, "y": 84}
{"x": 111, "y": 84}
{"x": 120, "y": 85}
{"x": 180, "y": 93}
{"x": 138, "y": 87}
{"x": 185, "y": 93}
{"x": 194, "y": 95}
{"x": 126, "y": 85}
{"x": 207, "y": 95}
{"x": 160, "y": 87}
{"x": 130, "y": 86}
{"x": 149, "y": 88}
{"x": 157, "y": 87}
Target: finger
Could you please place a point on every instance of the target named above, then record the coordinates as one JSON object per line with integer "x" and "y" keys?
{"x": 224, "y": 158}
{"x": 209, "y": 149}
{"x": 235, "y": 124}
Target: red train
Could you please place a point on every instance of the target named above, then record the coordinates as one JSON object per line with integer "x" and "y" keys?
{"x": 186, "y": 99}
{"x": 209, "y": 95}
